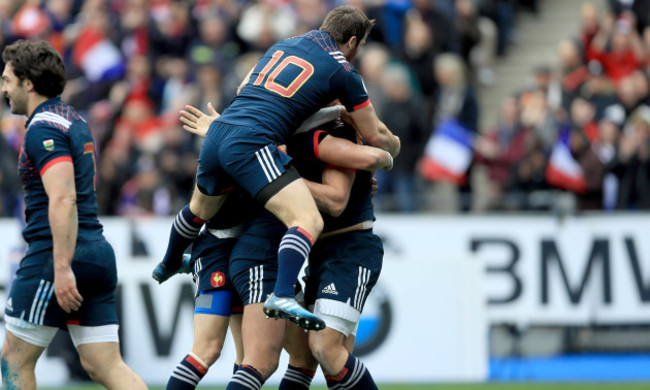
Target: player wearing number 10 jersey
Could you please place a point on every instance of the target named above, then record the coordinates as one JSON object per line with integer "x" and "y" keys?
{"x": 291, "y": 81}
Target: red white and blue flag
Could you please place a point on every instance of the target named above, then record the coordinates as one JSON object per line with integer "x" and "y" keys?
{"x": 563, "y": 170}
{"x": 97, "y": 56}
{"x": 448, "y": 153}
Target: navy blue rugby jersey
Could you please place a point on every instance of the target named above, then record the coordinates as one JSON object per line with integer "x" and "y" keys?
{"x": 304, "y": 149}
{"x": 237, "y": 209}
{"x": 294, "y": 79}
{"x": 56, "y": 133}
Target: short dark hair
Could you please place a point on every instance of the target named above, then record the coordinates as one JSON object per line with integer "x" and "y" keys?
{"x": 38, "y": 62}
{"x": 345, "y": 22}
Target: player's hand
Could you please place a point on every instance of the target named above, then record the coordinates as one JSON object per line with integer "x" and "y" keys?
{"x": 197, "y": 122}
{"x": 65, "y": 289}
{"x": 389, "y": 165}
{"x": 345, "y": 116}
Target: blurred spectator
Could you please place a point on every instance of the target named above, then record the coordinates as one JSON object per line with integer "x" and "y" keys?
{"x": 9, "y": 184}
{"x": 265, "y": 22}
{"x": 502, "y": 148}
{"x": 589, "y": 23}
{"x": 573, "y": 71}
{"x": 457, "y": 103}
{"x": 418, "y": 53}
{"x": 606, "y": 149}
{"x": 214, "y": 45}
{"x": 445, "y": 37}
{"x": 633, "y": 165}
{"x": 372, "y": 61}
{"x": 402, "y": 114}
{"x": 598, "y": 88}
{"x": 626, "y": 52}
{"x": 456, "y": 97}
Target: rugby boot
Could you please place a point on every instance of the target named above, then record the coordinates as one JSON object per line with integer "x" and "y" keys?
{"x": 289, "y": 309}
{"x": 161, "y": 273}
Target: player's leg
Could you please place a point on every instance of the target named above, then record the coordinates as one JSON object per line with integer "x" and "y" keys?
{"x": 209, "y": 335}
{"x": 207, "y": 198}
{"x": 296, "y": 208}
{"x": 343, "y": 270}
{"x": 253, "y": 269}
{"x": 22, "y": 347}
{"x": 235, "y": 331}
{"x": 94, "y": 327}
{"x": 263, "y": 342}
{"x": 103, "y": 361}
{"x": 264, "y": 172}
{"x": 302, "y": 364}
{"x": 184, "y": 230}
{"x": 32, "y": 319}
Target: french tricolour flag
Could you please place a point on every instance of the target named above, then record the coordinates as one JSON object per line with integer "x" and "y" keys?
{"x": 97, "y": 56}
{"x": 563, "y": 170}
{"x": 448, "y": 153}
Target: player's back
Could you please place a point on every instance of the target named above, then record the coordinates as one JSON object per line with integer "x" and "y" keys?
{"x": 294, "y": 79}
{"x": 56, "y": 133}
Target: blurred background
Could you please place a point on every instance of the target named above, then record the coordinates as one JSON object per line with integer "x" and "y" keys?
{"x": 514, "y": 216}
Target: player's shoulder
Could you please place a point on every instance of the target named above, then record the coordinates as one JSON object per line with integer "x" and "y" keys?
{"x": 55, "y": 115}
{"x": 323, "y": 45}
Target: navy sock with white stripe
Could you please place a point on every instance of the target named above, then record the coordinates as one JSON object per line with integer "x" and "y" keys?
{"x": 246, "y": 378}
{"x": 353, "y": 376}
{"x": 294, "y": 250}
{"x": 185, "y": 229}
{"x": 187, "y": 374}
{"x": 296, "y": 378}
{"x": 235, "y": 367}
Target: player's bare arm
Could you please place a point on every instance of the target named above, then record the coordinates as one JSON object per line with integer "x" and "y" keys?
{"x": 341, "y": 152}
{"x": 333, "y": 193}
{"x": 60, "y": 188}
{"x": 373, "y": 130}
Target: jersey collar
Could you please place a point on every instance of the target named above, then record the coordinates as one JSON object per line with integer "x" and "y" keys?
{"x": 41, "y": 107}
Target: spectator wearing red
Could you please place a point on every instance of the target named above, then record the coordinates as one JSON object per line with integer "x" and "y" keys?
{"x": 626, "y": 52}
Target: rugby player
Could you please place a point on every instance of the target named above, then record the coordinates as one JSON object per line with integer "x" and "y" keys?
{"x": 67, "y": 255}
{"x": 290, "y": 82}
{"x": 343, "y": 267}
{"x": 253, "y": 266}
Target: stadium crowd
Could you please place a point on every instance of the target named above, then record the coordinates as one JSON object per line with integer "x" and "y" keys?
{"x": 132, "y": 65}
{"x": 585, "y": 126}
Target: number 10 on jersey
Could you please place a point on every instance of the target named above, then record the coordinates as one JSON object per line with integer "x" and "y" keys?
{"x": 307, "y": 70}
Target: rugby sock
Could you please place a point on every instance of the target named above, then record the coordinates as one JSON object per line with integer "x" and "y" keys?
{"x": 294, "y": 250}
{"x": 246, "y": 378}
{"x": 185, "y": 229}
{"x": 353, "y": 376}
{"x": 296, "y": 378}
{"x": 187, "y": 374}
{"x": 235, "y": 367}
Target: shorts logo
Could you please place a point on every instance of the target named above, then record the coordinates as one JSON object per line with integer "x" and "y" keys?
{"x": 48, "y": 144}
{"x": 10, "y": 305}
{"x": 330, "y": 289}
{"x": 217, "y": 279}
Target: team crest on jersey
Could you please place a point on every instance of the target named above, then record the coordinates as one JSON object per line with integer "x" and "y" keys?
{"x": 48, "y": 144}
{"x": 217, "y": 279}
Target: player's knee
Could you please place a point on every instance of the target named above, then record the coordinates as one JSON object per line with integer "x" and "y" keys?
{"x": 268, "y": 368}
{"x": 320, "y": 348}
{"x": 313, "y": 224}
{"x": 92, "y": 369}
{"x": 209, "y": 351}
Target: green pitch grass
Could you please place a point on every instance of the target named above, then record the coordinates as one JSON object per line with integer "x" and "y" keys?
{"x": 489, "y": 386}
